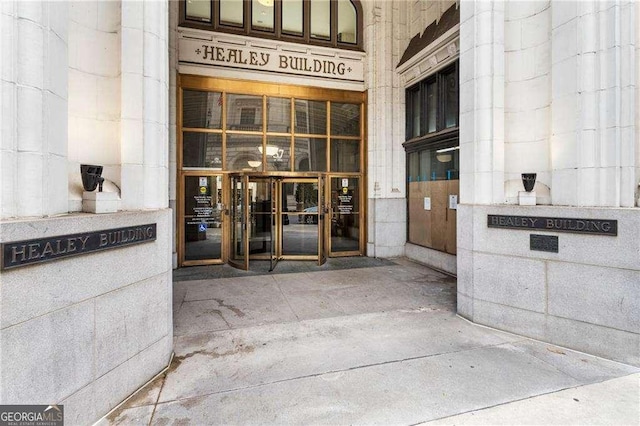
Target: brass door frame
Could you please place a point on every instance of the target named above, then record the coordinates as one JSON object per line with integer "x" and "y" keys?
{"x": 224, "y": 86}
{"x": 321, "y": 233}
{"x": 180, "y": 216}
{"x": 244, "y": 221}
{"x": 361, "y": 215}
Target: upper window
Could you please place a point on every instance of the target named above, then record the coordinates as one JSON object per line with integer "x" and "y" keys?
{"x": 432, "y": 104}
{"x": 334, "y": 23}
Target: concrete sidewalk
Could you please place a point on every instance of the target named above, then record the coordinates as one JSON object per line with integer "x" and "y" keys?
{"x": 373, "y": 345}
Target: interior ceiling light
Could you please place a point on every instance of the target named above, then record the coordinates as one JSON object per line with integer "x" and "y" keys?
{"x": 254, "y": 164}
{"x": 266, "y": 3}
{"x": 271, "y": 150}
{"x": 444, "y": 158}
{"x": 447, "y": 149}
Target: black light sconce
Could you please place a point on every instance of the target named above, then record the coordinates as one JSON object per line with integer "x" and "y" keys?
{"x": 91, "y": 177}
{"x": 529, "y": 181}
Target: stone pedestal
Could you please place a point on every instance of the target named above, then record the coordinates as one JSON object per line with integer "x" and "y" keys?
{"x": 527, "y": 198}
{"x": 100, "y": 202}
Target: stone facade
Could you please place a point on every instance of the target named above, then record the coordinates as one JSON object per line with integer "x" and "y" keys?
{"x": 545, "y": 87}
{"x": 554, "y": 94}
{"x": 84, "y": 83}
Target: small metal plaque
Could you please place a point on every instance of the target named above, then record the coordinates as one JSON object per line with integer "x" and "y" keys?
{"x": 543, "y": 243}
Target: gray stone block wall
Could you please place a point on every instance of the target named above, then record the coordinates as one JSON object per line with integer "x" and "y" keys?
{"x": 85, "y": 331}
{"x": 436, "y": 259}
{"x": 387, "y": 227}
{"x": 585, "y": 297}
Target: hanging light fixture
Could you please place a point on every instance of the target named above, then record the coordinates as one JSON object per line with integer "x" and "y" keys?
{"x": 266, "y": 3}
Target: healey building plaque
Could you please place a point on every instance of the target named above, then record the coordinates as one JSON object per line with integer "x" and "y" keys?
{"x": 22, "y": 253}
{"x": 557, "y": 224}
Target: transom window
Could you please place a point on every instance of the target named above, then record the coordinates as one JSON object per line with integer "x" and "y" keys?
{"x": 260, "y": 133}
{"x": 335, "y": 23}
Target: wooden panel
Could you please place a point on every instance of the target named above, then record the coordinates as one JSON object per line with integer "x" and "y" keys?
{"x": 438, "y": 214}
{"x": 435, "y": 228}
{"x": 452, "y": 189}
{"x": 420, "y": 222}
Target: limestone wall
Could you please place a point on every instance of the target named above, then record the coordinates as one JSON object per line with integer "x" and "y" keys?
{"x": 568, "y": 110}
{"x": 84, "y": 331}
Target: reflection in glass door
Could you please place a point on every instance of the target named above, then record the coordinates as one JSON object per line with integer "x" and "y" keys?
{"x": 203, "y": 219}
{"x": 345, "y": 216}
{"x": 260, "y": 218}
{"x": 273, "y": 184}
{"x": 322, "y": 209}
{"x": 299, "y": 218}
{"x": 238, "y": 208}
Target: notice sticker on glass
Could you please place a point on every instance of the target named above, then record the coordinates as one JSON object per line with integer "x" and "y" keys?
{"x": 345, "y": 183}
{"x": 204, "y": 181}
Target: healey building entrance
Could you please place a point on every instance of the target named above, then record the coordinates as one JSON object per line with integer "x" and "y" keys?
{"x": 268, "y": 172}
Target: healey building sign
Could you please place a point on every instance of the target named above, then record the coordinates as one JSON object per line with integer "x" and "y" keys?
{"x": 22, "y": 253}
{"x": 275, "y": 60}
{"x": 557, "y": 224}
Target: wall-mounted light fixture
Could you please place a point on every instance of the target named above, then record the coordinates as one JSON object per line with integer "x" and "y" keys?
{"x": 91, "y": 177}
{"x": 529, "y": 181}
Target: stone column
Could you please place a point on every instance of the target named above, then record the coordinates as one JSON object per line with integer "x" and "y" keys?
{"x": 386, "y": 160}
{"x": 144, "y": 113}
{"x": 174, "y": 7}
{"x": 636, "y": 113}
{"x": 593, "y": 72}
{"x": 482, "y": 102}
{"x": 33, "y": 155}
{"x": 527, "y": 95}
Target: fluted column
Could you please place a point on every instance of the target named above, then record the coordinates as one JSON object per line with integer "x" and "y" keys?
{"x": 482, "y": 102}
{"x": 593, "y": 145}
{"x": 33, "y": 153}
{"x": 144, "y": 112}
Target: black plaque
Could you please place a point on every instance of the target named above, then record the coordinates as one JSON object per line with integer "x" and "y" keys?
{"x": 543, "y": 243}
{"x": 27, "y": 252}
{"x": 555, "y": 224}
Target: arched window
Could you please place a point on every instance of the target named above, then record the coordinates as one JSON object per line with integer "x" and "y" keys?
{"x": 333, "y": 23}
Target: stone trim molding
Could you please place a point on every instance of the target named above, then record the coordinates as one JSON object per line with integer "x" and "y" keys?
{"x": 442, "y": 52}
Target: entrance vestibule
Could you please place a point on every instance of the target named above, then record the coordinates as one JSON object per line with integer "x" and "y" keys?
{"x": 268, "y": 172}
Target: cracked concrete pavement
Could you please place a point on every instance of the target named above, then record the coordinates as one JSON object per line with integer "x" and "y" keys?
{"x": 379, "y": 344}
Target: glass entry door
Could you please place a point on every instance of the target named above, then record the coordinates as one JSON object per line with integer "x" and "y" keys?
{"x": 345, "y": 234}
{"x": 253, "y": 232}
{"x": 302, "y": 219}
{"x": 203, "y": 219}
{"x": 273, "y": 218}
